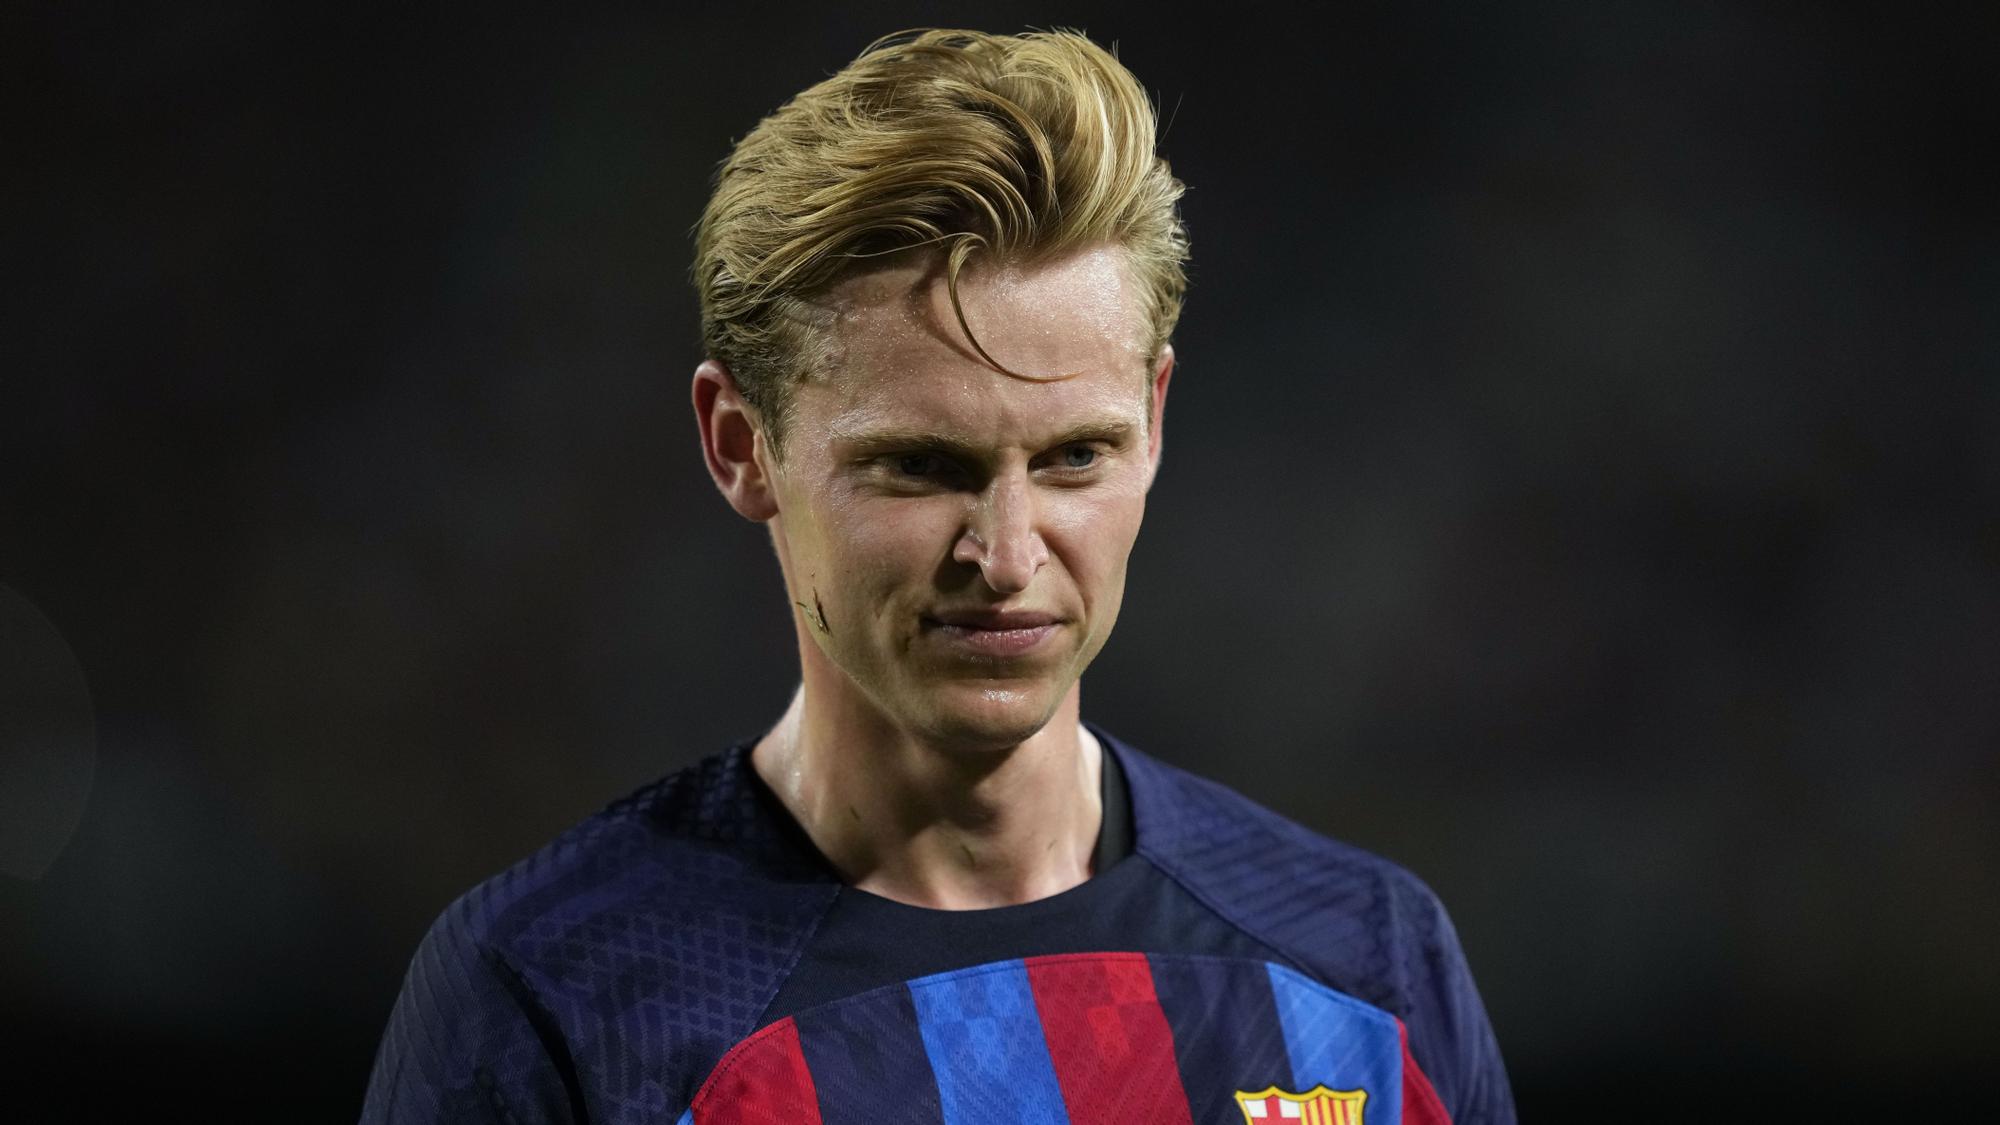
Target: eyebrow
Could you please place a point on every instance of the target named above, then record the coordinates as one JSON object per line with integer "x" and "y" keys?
{"x": 876, "y": 442}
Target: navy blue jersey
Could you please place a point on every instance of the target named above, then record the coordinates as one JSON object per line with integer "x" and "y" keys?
{"x": 687, "y": 956}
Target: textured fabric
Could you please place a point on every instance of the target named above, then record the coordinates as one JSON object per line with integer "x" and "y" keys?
{"x": 862, "y": 1054}
{"x": 689, "y": 937}
{"x": 641, "y": 945}
{"x": 866, "y": 942}
{"x": 1344, "y": 917}
{"x": 1109, "y": 1039}
{"x": 982, "y": 1034}
{"x": 765, "y": 1081}
{"x": 1087, "y": 1039}
{"x": 1224, "y": 1027}
{"x": 468, "y": 1040}
{"x": 1340, "y": 1043}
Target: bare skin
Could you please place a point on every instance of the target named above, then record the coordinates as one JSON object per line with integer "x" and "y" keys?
{"x": 953, "y": 542}
{"x": 904, "y": 822}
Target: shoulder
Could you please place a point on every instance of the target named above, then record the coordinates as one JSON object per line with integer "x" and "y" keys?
{"x": 693, "y": 887}
{"x": 676, "y": 841}
{"x": 1351, "y": 919}
{"x": 663, "y": 922}
{"x": 1344, "y": 912}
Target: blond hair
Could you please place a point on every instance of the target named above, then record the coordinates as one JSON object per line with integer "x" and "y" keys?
{"x": 1021, "y": 147}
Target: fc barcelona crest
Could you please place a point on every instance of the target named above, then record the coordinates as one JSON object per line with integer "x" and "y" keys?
{"x": 1317, "y": 1106}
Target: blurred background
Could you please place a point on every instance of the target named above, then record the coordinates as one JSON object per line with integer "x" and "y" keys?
{"x": 1581, "y": 488}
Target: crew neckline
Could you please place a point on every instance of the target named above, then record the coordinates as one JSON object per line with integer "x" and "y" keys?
{"x": 1116, "y": 846}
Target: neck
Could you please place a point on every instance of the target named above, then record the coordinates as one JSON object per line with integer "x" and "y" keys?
{"x": 935, "y": 826}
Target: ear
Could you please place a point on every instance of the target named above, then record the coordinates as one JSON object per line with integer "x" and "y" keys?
{"x": 1156, "y": 432}
{"x": 732, "y": 442}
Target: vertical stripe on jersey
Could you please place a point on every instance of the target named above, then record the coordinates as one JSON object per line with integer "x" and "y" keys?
{"x": 1110, "y": 1044}
{"x": 985, "y": 1045}
{"x": 868, "y": 1061}
{"x": 763, "y": 1081}
{"x": 1340, "y": 1043}
{"x": 1226, "y": 1032}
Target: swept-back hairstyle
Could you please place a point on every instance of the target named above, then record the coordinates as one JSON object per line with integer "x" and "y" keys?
{"x": 1020, "y": 147}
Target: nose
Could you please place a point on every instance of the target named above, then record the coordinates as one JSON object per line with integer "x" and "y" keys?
{"x": 1000, "y": 535}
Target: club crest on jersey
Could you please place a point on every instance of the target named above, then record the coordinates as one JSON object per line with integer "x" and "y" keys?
{"x": 1317, "y": 1106}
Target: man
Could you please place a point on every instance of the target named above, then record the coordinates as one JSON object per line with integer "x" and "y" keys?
{"x": 937, "y": 291}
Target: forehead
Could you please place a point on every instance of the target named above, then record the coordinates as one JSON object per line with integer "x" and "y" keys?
{"x": 1073, "y": 327}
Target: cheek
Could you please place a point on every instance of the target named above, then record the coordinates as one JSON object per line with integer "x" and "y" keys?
{"x": 882, "y": 546}
{"x": 1093, "y": 533}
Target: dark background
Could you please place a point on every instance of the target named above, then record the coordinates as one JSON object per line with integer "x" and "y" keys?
{"x": 1580, "y": 488}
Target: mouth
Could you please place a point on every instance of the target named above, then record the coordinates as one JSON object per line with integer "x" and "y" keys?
{"x": 992, "y": 632}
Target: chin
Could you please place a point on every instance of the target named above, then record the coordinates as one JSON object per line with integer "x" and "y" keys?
{"x": 993, "y": 716}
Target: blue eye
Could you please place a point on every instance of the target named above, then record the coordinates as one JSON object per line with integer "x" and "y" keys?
{"x": 1079, "y": 457}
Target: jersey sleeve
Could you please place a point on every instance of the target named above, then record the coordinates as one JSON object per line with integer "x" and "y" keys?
{"x": 468, "y": 1042}
{"x": 1456, "y": 1046}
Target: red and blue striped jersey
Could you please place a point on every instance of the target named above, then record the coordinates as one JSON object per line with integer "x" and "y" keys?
{"x": 686, "y": 956}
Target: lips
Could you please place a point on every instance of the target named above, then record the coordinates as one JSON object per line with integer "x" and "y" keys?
{"x": 990, "y": 632}
{"x": 994, "y": 619}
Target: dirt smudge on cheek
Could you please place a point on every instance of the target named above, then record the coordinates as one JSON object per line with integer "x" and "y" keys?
{"x": 816, "y": 613}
